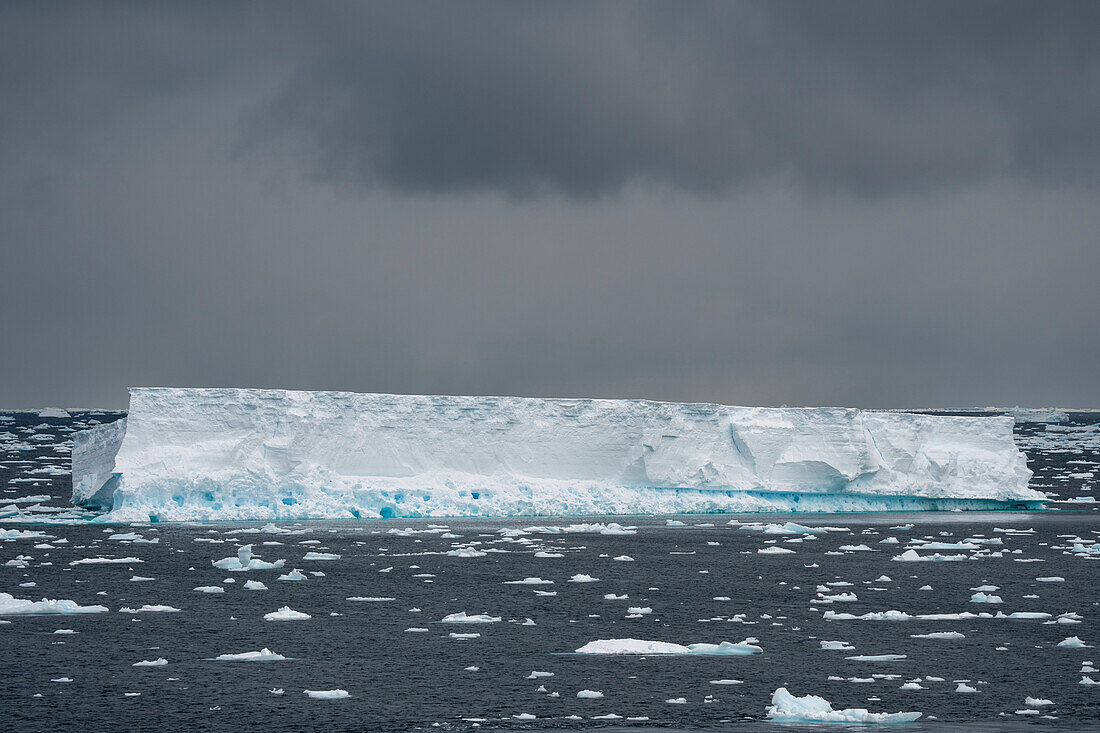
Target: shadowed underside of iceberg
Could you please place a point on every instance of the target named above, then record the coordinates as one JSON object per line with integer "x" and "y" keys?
{"x": 250, "y": 454}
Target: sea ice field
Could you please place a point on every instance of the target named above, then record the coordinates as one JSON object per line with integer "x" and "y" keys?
{"x": 929, "y": 620}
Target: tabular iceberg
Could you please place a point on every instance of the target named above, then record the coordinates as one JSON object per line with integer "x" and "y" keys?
{"x": 251, "y": 454}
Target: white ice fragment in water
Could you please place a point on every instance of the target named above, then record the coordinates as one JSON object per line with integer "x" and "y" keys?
{"x": 456, "y": 635}
{"x": 336, "y": 694}
{"x": 583, "y": 578}
{"x": 294, "y": 574}
{"x": 150, "y": 608}
{"x": 939, "y": 635}
{"x": 727, "y": 682}
{"x": 158, "y": 662}
{"x": 529, "y": 581}
{"x": 254, "y": 585}
{"x": 12, "y": 606}
{"x": 370, "y": 599}
{"x": 465, "y": 552}
{"x": 245, "y": 561}
{"x": 837, "y": 645}
{"x": 876, "y": 657}
{"x": 1037, "y": 702}
{"x": 590, "y": 694}
{"x": 640, "y": 610}
{"x": 106, "y": 561}
{"x": 775, "y": 550}
{"x": 642, "y": 647}
{"x": 264, "y": 655}
{"x": 1073, "y": 642}
{"x": 981, "y": 597}
{"x": 321, "y": 556}
{"x": 463, "y": 618}
{"x": 788, "y": 708}
{"x": 210, "y": 589}
{"x": 286, "y": 613}
{"x": 1051, "y": 579}
{"x": 963, "y": 687}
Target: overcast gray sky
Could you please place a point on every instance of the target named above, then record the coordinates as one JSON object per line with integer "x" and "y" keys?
{"x": 880, "y": 204}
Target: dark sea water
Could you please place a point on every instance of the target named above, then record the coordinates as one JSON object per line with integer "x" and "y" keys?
{"x": 705, "y": 581}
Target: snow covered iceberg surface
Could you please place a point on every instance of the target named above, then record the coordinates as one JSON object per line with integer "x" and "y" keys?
{"x": 249, "y": 454}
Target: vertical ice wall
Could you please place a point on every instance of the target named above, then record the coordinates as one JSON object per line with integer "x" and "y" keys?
{"x": 262, "y": 454}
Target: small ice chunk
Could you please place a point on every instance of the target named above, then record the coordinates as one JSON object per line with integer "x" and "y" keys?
{"x": 590, "y": 694}
{"x": 336, "y": 694}
{"x": 789, "y": 708}
{"x": 158, "y": 662}
{"x": 264, "y": 655}
{"x": 286, "y": 613}
{"x": 463, "y": 618}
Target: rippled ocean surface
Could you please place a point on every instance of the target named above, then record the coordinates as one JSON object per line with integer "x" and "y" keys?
{"x": 693, "y": 579}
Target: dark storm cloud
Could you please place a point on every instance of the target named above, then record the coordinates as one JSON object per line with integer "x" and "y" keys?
{"x": 583, "y": 98}
{"x": 877, "y": 204}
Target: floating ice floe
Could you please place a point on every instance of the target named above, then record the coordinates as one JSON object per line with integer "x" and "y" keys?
{"x": 294, "y": 574}
{"x": 158, "y": 662}
{"x": 876, "y": 658}
{"x": 965, "y": 688}
{"x": 465, "y": 552}
{"x": 837, "y": 646}
{"x": 370, "y": 599}
{"x": 775, "y": 550}
{"x": 583, "y": 578}
{"x": 286, "y": 613}
{"x": 12, "y": 606}
{"x": 642, "y": 647}
{"x": 1073, "y": 642}
{"x": 264, "y": 655}
{"x": 210, "y": 589}
{"x": 245, "y": 561}
{"x": 529, "y": 581}
{"x": 321, "y": 556}
{"x": 981, "y": 597}
{"x": 590, "y": 694}
{"x": 254, "y": 585}
{"x": 914, "y": 556}
{"x": 788, "y": 708}
{"x": 106, "y": 561}
{"x": 22, "y": 534}
{"x": 939, "y": 635}
{"x": 336, "y": 694}
{"x": 150, "y": 608}
{"x": 463, "y": 618}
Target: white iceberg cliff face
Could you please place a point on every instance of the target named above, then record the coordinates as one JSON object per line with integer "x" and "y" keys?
{"x": 94, "y": 450}
{"x": 249, "y": 454}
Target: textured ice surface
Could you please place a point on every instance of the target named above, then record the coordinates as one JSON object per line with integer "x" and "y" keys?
{"x": 203, "y": 454}
{"x": 790, "y": 708}
{"x": 643, "y": 647}
{"x": 12, "y": 606}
